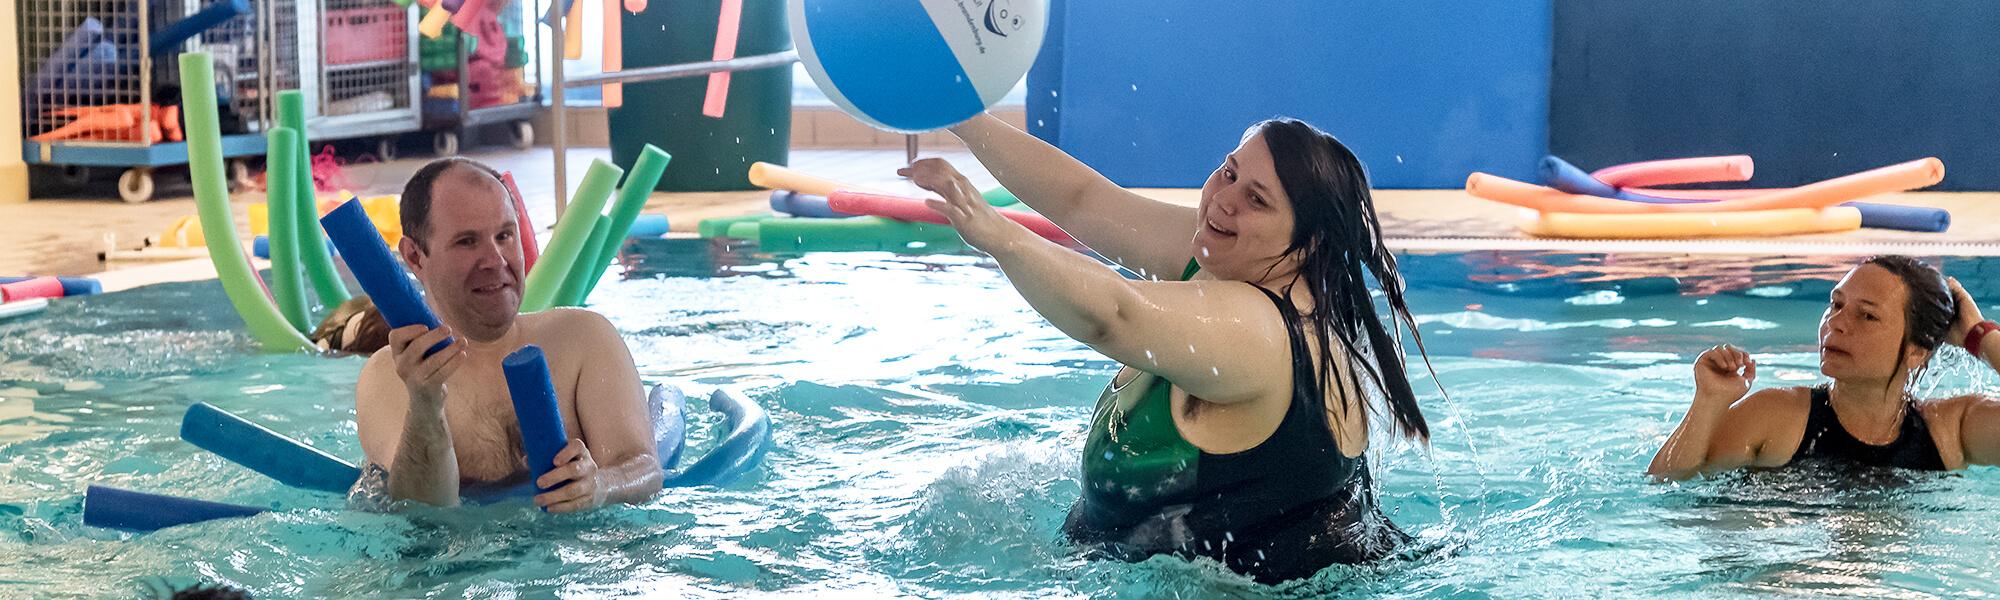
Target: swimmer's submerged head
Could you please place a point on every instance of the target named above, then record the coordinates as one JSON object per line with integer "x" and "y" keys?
{"x": 1291, "y": 206}
{"x": 459, "y": 239}
{"x": 1885, "y": 319}
{"x": 355, "y": 326}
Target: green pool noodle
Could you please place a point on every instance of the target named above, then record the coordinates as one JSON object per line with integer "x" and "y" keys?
{"x": 632, "y": 196}
{"x": 288, "y": 286}
{"x": 745, "y": 230}
{"x": 313, "y": 257}
{"x": 211, "y": 196}
{"x": 719, "y": 226}
{"x": 1000, "y": 197}
{"x": 577, "y": 284}
{"x": 546, "y": 280}
{"x": 856, "y": 234}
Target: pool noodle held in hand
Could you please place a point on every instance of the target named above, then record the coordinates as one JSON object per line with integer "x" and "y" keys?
{"x": 534, "y": 396}
{"x": 378, "y": 273}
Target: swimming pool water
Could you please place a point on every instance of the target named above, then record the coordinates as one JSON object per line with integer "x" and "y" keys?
{"x": 927, "y": 431}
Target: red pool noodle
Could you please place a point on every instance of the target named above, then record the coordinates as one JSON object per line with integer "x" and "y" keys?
{"x": 903, "y": 208}
{"x": 725, "y": 49}
{"x": 1702, "y": 169}
{"x": 39, "y": 287}
{"x": 530, "y": 249}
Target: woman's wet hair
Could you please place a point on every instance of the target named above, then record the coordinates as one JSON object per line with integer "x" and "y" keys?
{"x": 1338, "y": 242}
{"x": 355, "y": 326}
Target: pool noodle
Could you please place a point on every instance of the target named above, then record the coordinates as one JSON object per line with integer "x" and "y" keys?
{"x": 314, "y": 258}
{"x": 1683, "y": 225}
{"x": 1703, "y": 169}
{"x": 260, "y": 247}
{"x": 211, "y": 196}
{"x": 114, "y": 508}
{"x": 726, "y": 28}
{"x": 72, "y": 286}
{"x": 778, "y": 177}
{"x": 914, "y": 210}
{"x": 572, "y": 231}
{"x": 523, "y": 228}
{"x": 669, "y": 406}
{"x": 267, "y": 452}
{"x": 576, "y": 285}
{"x": 1893, "y": 178}
{"x": 573, "y": 32}
{"x": 649, "y": 226}
{"x": 802, "y": 205}
{"x": 632, "y": 196}
{"x": 534, "y": 395}
{"x": 749, "y": 439}
{"x": 288, "y": 286}
{"x": 25, "y": 307}
{"x": 1566, "y": 177}
{"x": 379, "y": 274}
{"x": 613, "y": 57}
{"x": 168, "y": 40}
{"x": 29, "y": 289}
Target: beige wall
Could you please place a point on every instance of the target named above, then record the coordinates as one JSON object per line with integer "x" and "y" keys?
{"x": 812, "y": 127}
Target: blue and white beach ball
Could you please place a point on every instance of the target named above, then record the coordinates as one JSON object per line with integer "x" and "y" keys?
{"x": 917, "y": 65}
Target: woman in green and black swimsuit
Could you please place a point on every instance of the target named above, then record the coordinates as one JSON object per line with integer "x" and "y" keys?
{"x": 1238, "y": 429}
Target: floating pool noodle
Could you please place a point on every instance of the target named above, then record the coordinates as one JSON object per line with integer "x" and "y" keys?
{"x": 314, "y": 257}
{"x": 288, "y": 286}
{"x": 776, "y": 177}
{"x": 863, "y": 234}
{"x": 385, "y": 281}
{"x": 542, "y": 433}
{"x": 28, "y": 289}
{"x": 914, "y": 210}
{"x": 717, "y": 99}
{"x": 802, "y": 205}
{"x": 211, "y": 197}
{"x": 1704, "y": 169}
{"x": 567, "y": 243}
{"x": 10, "y": 310}
{"x": 1789, "y": 221}
{"x": 167, "y": 41}
{"x": 267, "y": 452}
{"x": 110, "y": 507}
{"x": 1893, "y": 178}
{"x": 1566, "y": 177}
{"x": 72, "y": 286}
{"x": 632, "y": 196}
{"x": 577, "y": 285}
{"x": 749, "y": 439}
{"x": 669, "y": 406}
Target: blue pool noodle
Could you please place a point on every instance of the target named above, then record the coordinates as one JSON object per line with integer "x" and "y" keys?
{"x": 168, "y": 40}
{"x": 648, "y": 226}
{"x": 802, "y": 205}
{"x": 262, "y": 247}
{"x": 110, "y": 507}
{"x": 1566, "y": 177}
{"x": 260, "y": 449}
{"x": 748, "y": 441}
{"x": 385, "y": 281}
{"x": 542, "y": 433}
{"x": 72, "y": 286}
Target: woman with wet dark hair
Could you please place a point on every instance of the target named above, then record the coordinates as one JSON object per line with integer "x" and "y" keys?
{"x": 1884, "y": 322}
{"x": 1238, "y": 429}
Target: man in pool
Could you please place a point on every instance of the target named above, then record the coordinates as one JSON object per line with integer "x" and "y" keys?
{"x": 437, "y": 422}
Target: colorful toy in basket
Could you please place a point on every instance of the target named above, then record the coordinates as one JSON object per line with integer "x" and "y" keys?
{"x": 1612, "y": 202}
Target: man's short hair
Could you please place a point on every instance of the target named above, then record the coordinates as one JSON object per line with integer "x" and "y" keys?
{"x": 416, "y": 201}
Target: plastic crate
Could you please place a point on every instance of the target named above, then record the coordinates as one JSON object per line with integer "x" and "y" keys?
{"x": 363, "y": 35}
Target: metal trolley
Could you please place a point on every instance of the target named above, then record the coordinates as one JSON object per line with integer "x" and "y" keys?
{"x": 94, "y": 98}
{"x": 467, "y": 91}
{"x": 357, "y": 68}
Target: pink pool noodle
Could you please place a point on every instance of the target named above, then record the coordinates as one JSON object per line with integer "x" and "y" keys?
{"x": 1705, "y": 169}
{"x": 725, "y": 49}
{"x": 903, "y": 208}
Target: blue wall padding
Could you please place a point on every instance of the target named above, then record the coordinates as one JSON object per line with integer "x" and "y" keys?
{"x": 1837, "y": 88}
{"x": 1424, "y": 92}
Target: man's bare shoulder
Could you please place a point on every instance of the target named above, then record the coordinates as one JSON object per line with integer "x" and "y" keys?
{"x": 568, "y": 328}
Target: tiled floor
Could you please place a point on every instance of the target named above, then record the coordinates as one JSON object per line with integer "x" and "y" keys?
{"x": 67, "y": 236}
